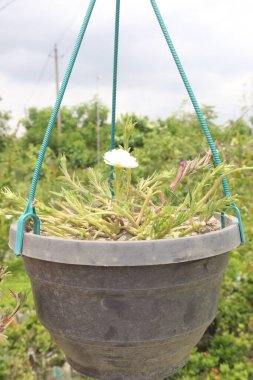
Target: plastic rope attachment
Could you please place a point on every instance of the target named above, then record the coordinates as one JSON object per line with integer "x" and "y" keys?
{"x": 29, "y": 213}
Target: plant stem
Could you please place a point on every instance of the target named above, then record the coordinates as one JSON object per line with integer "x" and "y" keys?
{"x": 219, "y": 180}
{"x": 129, "y": 177}
{"x": 145, "y": 204}
{"x": 193, "y": 228}
{"x": 124, "y": 212}
{"x": 117, "y": 181}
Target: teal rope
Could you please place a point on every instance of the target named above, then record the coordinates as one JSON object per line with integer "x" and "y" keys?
{"x": 114, "y": 86}
{"x": 198, "y": 112}
{"x": 30, "y": 210}
{"x": 115, "y": 74}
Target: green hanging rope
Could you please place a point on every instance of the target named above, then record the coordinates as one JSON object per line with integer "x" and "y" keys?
{"x": 114, "y": 86}
{"x": 199, "y": 114}
{"x": 30, "y": 210}
{"x": 115, "y": 74}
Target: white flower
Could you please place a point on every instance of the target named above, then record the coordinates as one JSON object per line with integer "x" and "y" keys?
{"x": 120, "y": 158}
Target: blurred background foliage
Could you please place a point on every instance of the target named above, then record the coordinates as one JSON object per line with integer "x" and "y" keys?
{"x": 226, "y": 350}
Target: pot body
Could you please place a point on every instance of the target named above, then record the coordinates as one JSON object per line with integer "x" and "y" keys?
{"x": 127, "y": 323}
{"x": 133, "y": 318}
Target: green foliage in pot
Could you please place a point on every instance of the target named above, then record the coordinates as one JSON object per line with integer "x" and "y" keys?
{"x": 121, "y": 210}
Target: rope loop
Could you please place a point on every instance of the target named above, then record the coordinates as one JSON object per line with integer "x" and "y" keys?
{"x": 29, "y": 213}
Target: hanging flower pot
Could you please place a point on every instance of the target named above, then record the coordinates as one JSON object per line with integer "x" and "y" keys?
{"x": 128, "y": 310}
{"x": 132, "y": 308}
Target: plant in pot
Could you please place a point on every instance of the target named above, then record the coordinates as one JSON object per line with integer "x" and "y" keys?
{"x": 126, "y": 274}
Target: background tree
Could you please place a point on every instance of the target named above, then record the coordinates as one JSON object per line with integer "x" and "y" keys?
{"x": 78, "y": 139}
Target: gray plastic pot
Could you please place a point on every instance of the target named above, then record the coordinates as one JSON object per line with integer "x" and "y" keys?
{"x": 128, "y": 310}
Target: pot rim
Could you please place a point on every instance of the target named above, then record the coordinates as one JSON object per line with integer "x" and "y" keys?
{"x": 130, "y": 253}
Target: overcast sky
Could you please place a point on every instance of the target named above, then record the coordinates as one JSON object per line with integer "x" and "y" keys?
{"x": 214, "y": 39}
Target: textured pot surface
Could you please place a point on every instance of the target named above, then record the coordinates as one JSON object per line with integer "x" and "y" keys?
{"x": 129, "y": 318}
